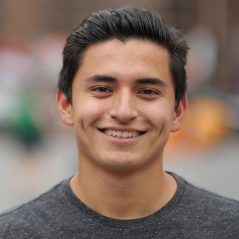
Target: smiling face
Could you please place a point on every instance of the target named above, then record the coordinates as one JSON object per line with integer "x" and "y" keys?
{"x": 123, "y": 105}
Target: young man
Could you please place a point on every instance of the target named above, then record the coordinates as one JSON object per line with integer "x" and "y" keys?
{"x": 122, "y": 87}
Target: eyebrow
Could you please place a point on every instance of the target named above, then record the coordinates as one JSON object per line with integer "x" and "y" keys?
{"x": 102, "y": 78}
{"x": 146, "y": 80}
{"x": 152, "y": 81}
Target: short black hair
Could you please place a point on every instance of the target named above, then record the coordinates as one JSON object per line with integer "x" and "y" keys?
{"x": 123, "y": 24}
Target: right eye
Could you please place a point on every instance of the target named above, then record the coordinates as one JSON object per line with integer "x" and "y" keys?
{"x": 102, "y": 91}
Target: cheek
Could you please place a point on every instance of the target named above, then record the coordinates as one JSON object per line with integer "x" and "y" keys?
{"x": 87, "y": 111}
{"x": 159, "y": 114}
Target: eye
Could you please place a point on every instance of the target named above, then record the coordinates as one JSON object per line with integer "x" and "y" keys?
{"x": 102, "y": 91}
{"x": 148, "y": 92}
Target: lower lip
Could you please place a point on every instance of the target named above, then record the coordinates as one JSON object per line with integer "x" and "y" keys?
{"x": 121, "y": 140}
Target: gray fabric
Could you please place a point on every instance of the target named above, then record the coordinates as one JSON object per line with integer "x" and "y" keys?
{"x": 192, "y": 213}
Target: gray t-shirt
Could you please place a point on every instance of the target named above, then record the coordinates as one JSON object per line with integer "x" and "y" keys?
{"x": 192, "y": 213}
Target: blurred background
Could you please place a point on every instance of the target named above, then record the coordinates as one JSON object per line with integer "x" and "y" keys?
{"x": 37, "y": 151}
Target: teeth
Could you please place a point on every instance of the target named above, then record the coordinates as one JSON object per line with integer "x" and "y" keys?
{"x": 122, "y": 134}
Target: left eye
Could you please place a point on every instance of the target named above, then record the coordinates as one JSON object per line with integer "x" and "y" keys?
{"x": 148, "y": 91}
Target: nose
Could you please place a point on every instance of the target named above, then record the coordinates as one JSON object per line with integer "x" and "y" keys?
{"x": 124, "y": 107}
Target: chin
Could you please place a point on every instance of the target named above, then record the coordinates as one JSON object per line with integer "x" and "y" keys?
{"x": 122, "y": 164}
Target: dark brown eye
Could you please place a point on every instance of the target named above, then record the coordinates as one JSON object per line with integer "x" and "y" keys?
{"x": 101, "y": 89}
{"x": 148, "y": 91}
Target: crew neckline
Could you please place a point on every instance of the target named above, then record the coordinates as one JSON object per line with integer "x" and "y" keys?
{"x": 153, "y": 218}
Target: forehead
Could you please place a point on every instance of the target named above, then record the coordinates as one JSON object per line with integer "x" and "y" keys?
{"x": 130, "y": 59}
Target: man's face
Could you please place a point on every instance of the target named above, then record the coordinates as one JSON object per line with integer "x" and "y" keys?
{"x": 123, "y": 105}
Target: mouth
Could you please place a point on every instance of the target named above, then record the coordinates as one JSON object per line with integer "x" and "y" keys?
{"x": 122, "y": 134}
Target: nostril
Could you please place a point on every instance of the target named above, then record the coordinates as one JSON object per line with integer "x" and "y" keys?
{"x": 123, "y": 114}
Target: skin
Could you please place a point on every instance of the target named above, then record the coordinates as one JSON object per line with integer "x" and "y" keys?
{"x": 123, "y": 86}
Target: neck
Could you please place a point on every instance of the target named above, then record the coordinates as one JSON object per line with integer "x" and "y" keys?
{"x": 124, "y": 195}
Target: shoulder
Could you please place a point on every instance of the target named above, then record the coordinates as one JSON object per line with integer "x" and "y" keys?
{"x": 210, "y": 201}
{"x": 209, "y": 214}
{"x": 210, "y": 208}
{"x": 27, "y": 220}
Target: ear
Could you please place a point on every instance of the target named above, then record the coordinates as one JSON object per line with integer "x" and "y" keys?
{"x": 178, "y": 114}
{"x": 64, "y": 108}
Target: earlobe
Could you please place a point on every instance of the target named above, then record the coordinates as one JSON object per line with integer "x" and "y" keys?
{"x": 64, "y": 107}
{"x": 178, "y": 114}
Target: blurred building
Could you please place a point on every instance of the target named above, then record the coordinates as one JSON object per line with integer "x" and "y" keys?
{"x": 26, "y": 20}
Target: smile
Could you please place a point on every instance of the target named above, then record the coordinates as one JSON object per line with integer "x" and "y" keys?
{"x": 122, "y": 133}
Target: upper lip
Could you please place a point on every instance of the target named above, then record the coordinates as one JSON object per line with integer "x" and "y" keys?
{"x": 121, "y": 129}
